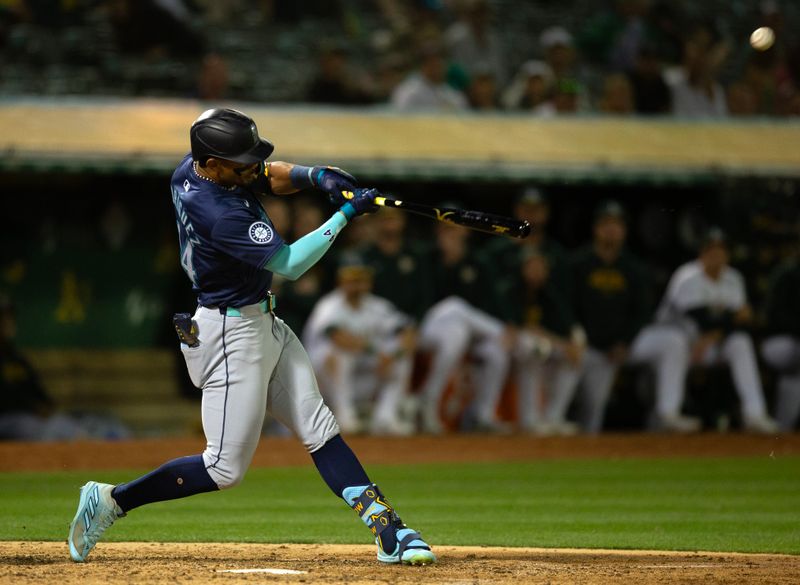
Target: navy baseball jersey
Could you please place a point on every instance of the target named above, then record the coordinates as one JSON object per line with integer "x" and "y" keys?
{"x": 226, "y": 239}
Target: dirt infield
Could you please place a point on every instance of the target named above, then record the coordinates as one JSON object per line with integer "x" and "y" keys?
{"x": 424, "y": 449}
{"x": 48, "y": 562}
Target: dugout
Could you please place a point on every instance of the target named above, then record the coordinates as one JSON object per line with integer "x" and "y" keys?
{"x": 88, "y": 232}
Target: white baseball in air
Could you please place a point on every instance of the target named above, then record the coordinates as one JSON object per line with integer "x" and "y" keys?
{"x": 762, "y": 38}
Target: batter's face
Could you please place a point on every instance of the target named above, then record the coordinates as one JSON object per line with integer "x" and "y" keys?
{"x": 229, "y": 174}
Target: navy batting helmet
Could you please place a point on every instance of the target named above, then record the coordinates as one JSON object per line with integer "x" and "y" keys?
{"x": 228, "y": 134}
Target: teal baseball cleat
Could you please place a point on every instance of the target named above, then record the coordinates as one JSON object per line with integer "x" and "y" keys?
{"x": 97, "y": 510}
{"x": 407, "y": 545}
{"x": 410, "y": 549}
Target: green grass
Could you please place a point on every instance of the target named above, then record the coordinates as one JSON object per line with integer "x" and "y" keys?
{"x": 732, "y": 504}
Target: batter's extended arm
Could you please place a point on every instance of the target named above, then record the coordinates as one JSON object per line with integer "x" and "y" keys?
{"x": 278, "y": 175}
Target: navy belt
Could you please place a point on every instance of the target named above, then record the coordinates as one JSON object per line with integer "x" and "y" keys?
{"x": 266, "y": 306}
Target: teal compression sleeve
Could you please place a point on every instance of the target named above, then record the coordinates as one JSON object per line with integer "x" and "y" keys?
{"x": 292, "y": 260}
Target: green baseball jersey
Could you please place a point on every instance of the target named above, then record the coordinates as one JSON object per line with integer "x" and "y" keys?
{"x": 503, "y": 258}
{"x": 611, "y": 301}
{"x": 468, "y": 279}
{"x": 544, "y": 307}
{"x": 406, "y": 279}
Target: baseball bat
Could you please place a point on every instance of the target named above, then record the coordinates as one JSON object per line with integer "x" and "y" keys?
{"x": 475, "y": 220}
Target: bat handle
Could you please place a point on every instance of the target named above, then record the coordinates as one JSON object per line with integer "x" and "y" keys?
{"x": 382, "y": 201}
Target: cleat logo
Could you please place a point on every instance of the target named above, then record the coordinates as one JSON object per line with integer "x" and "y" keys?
{"x": 91, "y": 506}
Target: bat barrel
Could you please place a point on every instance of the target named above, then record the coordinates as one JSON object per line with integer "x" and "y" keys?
{"x": 476, "y": 220}
{"x": 493, "y": 224}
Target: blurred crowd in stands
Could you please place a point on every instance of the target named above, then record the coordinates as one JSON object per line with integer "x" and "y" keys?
{"x": 618, "y": 57}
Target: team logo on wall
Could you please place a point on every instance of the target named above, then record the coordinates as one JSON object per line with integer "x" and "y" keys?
{"x": 260, "y": 233}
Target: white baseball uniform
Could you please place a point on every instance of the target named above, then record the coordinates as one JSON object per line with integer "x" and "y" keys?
{"x": 450, "y": 329}
{"x": 691, "y": 288}
{"x": 666, "y": 350}
{"x": 349, "y": 377}
{"x": 539, "y": 368}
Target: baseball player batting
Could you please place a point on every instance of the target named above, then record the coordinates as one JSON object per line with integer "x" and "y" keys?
{"x": 244, "y": 358}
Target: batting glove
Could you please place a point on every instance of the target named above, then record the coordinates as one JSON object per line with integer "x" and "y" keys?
{"x": 334, "y": 181}
{"x": 360, "y": 202}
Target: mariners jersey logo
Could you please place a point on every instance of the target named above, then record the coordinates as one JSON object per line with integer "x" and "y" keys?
{"x": 260, "y": 233}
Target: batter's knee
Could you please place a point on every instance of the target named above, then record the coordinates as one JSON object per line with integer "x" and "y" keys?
{"x": 315, "y": 428}
{"x": 224, "y": 473}
{"x": 315, "y": 438}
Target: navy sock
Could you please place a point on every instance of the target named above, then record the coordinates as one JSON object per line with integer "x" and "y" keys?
{"x": 341, "y": 469}
{"x": 178, "y": 478}
{"x": 339, "y": 466}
